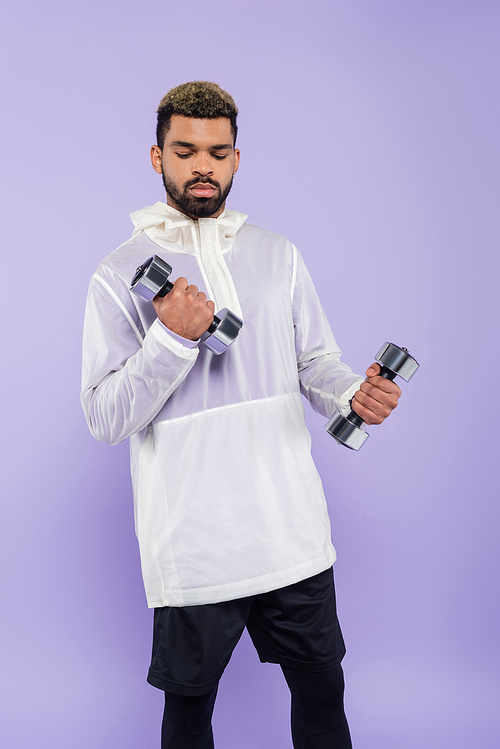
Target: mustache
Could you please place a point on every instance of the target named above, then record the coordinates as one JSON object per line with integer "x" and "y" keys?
{"x": 201, "y": 181}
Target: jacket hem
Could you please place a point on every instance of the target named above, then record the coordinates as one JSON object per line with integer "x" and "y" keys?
{"x": 245, "y": 588}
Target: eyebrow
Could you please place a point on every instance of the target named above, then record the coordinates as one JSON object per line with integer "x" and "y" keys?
{"x": 216, "y": 147}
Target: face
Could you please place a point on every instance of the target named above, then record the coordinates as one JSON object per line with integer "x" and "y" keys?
{"x": 198, "y": 162}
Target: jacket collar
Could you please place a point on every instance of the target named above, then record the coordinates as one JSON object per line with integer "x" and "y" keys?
{"x": 177, "y": 232}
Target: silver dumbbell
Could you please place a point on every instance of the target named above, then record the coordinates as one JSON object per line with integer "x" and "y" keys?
{"x": 395, "y": 361}
{"x": 151, "y": 279}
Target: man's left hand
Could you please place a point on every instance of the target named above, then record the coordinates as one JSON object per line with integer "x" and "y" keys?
{"x": 376, "y": 398}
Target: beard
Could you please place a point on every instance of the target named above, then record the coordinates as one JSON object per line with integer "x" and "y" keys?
{"x": 190, "y": 204}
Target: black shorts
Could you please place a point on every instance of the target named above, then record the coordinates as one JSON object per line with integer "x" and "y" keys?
{"x": 296, "y": 626}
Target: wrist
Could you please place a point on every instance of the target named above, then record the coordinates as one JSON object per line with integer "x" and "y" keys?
{"x": 187, "y": 342}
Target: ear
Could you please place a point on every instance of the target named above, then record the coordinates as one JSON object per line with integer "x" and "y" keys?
{"x": 156, "y": 155}
{"x": 236, "y": 160}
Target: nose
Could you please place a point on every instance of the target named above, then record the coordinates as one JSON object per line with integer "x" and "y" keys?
{"x": 201, "y": 164}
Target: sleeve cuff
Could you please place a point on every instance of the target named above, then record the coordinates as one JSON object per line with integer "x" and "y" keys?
{"x": 343, "y": 402}
{"x": 178, "y": 345}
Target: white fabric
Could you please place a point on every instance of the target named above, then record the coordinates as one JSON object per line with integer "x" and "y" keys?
{"x": 228, "y": 502}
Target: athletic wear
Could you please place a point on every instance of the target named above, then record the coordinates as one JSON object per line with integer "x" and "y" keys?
{"x": 295, "y": 626}
{"x": 187, "y": 721}
{"x": 317, "y": 713}
{"x": 228, "y": 502}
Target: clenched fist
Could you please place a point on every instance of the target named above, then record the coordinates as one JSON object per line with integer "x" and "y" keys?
{"x": 376, "y": 398}
{"x": 185, "y": 310}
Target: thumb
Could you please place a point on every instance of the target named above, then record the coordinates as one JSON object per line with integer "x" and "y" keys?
{"x": 372, "y": 370}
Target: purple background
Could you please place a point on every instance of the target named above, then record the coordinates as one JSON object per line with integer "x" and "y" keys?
{"x": 369, "y": 133}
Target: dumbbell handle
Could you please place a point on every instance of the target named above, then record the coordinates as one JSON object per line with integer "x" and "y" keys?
{"x": 168, "y": 286}
{"x": 387, "y": 374}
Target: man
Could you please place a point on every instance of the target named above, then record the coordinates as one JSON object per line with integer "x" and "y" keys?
{"x": 230, "y": 513}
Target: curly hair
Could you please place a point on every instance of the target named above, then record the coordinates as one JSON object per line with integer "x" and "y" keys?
{"x": 199, "y": 99}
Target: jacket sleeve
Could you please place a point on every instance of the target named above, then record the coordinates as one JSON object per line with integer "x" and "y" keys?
{"x": 325, "y": 381}
{"x": 127, "y": 375}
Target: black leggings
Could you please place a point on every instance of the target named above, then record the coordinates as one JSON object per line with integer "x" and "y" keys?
{"x": 187, "y": 721}
{"x": 318, "y": 718}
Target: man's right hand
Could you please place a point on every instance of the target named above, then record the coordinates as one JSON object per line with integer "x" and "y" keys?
{"x": 185, "y": 310}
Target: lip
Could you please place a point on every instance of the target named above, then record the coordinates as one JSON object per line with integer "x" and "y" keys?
{"x": 202, "y": 190}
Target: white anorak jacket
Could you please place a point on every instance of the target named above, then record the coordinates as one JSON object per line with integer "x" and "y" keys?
{"x": 228, "y": 502}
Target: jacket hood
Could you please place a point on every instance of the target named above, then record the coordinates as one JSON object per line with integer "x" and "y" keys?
{"x": 167, "y": 226}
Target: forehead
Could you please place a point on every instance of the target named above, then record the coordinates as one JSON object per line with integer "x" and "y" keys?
{"x": 199, "y": 132}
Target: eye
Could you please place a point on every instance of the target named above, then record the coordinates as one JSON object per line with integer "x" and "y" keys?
{"x": 220, "y": 156}
{"x": 183, "y": 155}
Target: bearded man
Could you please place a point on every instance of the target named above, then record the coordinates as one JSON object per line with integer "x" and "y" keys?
{"x": 230, "y": 513}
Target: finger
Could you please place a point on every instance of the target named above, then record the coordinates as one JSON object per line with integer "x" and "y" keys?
{"x": 181, "y": 283}
{"x": 373, "y": 370}
{"x": 378, "y": 402}
{"x": 381, "y": 384}
{"x": 379, "y": 405}
{"x": 369, "y": 410}
{"x": 368, "y": 416}
{"x": 212, "y": 306}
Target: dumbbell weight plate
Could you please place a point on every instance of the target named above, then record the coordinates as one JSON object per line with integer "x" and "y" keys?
{"x": 398, "y": 360}
{"x": 220, "y": 338}
{"x": 346, "y": 433}
{"x": 150, "y": 278}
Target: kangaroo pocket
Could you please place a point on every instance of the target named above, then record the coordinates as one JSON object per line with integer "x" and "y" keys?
{"x": 230, "y": 494}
